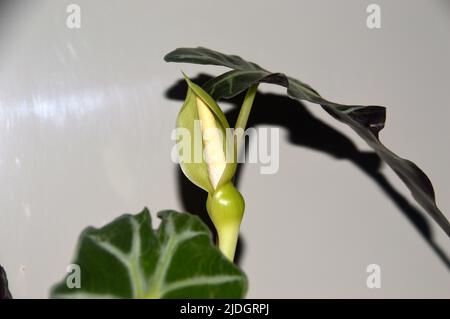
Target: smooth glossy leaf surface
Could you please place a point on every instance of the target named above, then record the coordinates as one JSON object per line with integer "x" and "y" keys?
{"x": 366, "y": 121}
{"x": 128, "y": 259}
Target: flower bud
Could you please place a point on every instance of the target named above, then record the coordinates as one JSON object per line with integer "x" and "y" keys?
{"x": 214, "y": 168}
{"x": 217, "y": 162}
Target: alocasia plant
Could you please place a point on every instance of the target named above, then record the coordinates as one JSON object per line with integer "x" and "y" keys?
{"x": 366, "y": 121}
{"x": 128, "y": 259}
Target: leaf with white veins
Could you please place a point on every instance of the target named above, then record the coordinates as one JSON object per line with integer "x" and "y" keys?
{"x": 128, "y": 259}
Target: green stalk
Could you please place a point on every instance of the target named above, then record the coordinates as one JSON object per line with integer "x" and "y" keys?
{"x": 244, "y": 113}
{"x": 226, "y": 205}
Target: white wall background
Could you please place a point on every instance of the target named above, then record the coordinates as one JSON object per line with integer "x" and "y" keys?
{"x": 85, "y": 135}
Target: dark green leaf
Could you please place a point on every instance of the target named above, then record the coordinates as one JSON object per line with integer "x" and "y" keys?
{"x": 128, "y": 259}
{"x": 366, "y": 121}
{"x": 206, "y": 56}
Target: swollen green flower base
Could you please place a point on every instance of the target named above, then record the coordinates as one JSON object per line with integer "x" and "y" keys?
{"x": 226, "y": 209}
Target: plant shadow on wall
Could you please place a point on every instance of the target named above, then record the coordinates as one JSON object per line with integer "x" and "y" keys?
{"x": 4, "y": 292}
{"x": 305, "y": 130}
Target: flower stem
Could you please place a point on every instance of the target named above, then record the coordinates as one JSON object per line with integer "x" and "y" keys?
{"x": 244, "y": 113}
{"x": 227, "y": 240}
